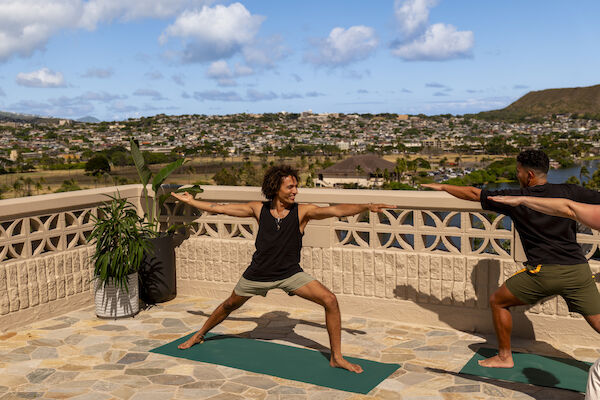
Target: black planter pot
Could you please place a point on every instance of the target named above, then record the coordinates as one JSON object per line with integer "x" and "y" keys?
{"x": 158, "y": 280}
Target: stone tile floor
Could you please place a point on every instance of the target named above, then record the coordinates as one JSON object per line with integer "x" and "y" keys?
{"x": 79, "y": 356}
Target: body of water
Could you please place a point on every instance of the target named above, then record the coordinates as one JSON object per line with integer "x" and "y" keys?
{"x": 554, "y": 175}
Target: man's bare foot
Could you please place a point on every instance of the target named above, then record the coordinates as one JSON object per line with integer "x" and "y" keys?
{"x": 345, "y": 364}
{"x": 497, "y": 362}
{"x": 195, "y": 339}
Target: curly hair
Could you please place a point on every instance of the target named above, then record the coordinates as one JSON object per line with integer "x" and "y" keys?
{"x": 536, "y": 160}
{"x": 273, "y": 178}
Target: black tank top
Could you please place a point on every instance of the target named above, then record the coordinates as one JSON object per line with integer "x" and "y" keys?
{"x": 278, "y": 246}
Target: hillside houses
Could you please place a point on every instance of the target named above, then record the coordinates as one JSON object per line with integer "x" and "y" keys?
{"x": 264, "y": 134}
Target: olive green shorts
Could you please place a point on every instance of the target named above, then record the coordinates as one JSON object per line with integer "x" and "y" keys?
{"x": 573, "y": 282}
{"x": 249, "y": 288}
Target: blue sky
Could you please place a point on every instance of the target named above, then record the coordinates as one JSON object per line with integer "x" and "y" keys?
{"x": 115, "y": 59}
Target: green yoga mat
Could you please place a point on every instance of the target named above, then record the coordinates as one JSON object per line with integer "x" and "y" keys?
{"x": 537, "y": 370}
{"x": 282, "y": 361}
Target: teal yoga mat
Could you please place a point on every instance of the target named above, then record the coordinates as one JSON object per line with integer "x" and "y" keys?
{"x": 282, "y": 361}
{"x": 537, "y": 370}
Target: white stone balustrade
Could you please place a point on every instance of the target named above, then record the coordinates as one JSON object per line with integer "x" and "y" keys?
{"x": 434, "y": 260}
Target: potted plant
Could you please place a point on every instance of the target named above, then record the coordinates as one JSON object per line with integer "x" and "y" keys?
{"x": 157, "y": 272}
{"x": 121, "y": 242}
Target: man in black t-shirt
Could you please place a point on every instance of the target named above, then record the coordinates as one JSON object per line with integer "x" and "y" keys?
{"x": 555, "y": 261}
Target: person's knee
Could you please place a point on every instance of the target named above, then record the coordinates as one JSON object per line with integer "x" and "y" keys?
{"x": 493, "y": 300}
{"x": 330, "y": 301}
{"x": 229, "y": 305}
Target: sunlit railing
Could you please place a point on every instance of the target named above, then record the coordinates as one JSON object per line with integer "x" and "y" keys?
{"x": 433, "y": 249}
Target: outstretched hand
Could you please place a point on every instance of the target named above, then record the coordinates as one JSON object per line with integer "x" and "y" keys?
{"x": 377, "y": 208}
{"x": 434, "y": 186}
{"x": 509, "y": 200}
{"x": 184, "y": 197}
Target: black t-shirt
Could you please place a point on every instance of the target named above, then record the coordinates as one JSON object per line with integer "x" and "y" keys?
{"x": 545, "y": 238}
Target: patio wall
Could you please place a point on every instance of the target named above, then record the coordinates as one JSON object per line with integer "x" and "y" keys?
{"x": 434, "y": 261}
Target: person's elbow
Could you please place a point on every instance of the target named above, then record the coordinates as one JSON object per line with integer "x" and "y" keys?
{"x": 475, "y": 194}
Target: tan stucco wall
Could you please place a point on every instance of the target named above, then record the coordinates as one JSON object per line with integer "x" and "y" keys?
{"x": 414, "y": 288}
{"x": 44, "y": 287}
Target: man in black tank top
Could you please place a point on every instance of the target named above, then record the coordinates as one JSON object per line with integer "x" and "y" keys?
{"x": 276, "y": 262}
{"x": 555, "y": 261}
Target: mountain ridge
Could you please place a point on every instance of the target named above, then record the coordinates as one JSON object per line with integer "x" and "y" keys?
{"x": 582, "y": 101}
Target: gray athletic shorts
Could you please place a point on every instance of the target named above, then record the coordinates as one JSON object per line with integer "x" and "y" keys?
{"x": 249, "y": 288}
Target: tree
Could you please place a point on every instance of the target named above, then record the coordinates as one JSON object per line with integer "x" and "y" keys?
{"x": 17, "y": 186}
{"x": 97, "y": 165}
{"x": 28, "y": 181}
{"x": 573, "y": 180}
{"x": 226, "y": 177}
{"x": 400, "y": 168}
{"x": 584, "y": 173}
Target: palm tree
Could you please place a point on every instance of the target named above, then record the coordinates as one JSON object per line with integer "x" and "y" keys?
{"x": 583, "y": 173}
{"x": 400, "y": 168}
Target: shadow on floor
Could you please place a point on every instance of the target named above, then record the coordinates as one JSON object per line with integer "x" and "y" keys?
{"x": 486, "y": 273}
{"x": 536, "y": 392}
{"x": 277, "y": 325}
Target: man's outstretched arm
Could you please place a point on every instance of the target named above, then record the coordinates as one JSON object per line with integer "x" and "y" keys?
{"x": 587, "y": 214}
{"x": 462, "y": 192}
{"x": 251, "y": 209}
{"x": 313, "y": 211}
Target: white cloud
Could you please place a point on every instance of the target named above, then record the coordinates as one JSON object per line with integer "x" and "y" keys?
{"x": 413, "y": 15}
{"x": 61, "y": 107}
{"x": 96, "y": 11}
{"x": 255, "y": 95}
{"x": 424, "y": 42}
{"x": 43, "y": 78}
{"x": 214, "y": 33}
{"x": 101, "y": 73}
{"x": 217, "y": 95}
{"x": 27, "y": 25}
{"x": 179, "y": 79}
{"x": 156, "y": 95}
{"x": 439, "y": 42}
{"x": 100, "y": 96}
{"x": 288, "y": 96}
{"x": 224, "y": 75}
{"x": 344, "y": 46}
{"x": 219, "y": 69}
{"x": 242, "y": 70}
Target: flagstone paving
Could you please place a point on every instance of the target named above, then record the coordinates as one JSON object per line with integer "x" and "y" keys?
{"x": 78, "y": 356}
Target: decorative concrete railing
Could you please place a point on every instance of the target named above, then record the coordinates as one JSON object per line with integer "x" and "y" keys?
{"x": 435, "y": 259}
{"x": 45, "y": 266}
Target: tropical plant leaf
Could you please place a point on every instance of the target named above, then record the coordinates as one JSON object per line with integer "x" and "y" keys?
{"x": 140, "y": 164}
{"x": 161, "y": 175}
{"x": 190, "y": 189}
{"x": 121, "y": 237}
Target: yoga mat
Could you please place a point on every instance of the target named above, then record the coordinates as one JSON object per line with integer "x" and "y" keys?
{"x": 537, "y": 370}
{"x": 287, "y": 362}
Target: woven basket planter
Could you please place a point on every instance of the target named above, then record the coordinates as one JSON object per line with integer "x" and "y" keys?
{"x": 114, "y": 302}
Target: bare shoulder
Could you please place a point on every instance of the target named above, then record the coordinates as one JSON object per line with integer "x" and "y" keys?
{"x": 255, "y": 206}
{"x": 305, "y": 209}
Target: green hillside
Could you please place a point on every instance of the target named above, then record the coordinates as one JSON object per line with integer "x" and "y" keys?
{"x": 582, "y": 101}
